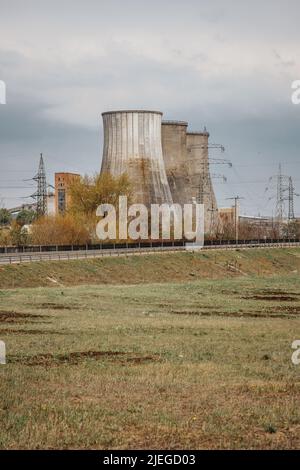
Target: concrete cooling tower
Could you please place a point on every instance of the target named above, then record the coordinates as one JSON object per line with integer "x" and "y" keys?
{"x": 175, "y": 157}
{"x": 132, "y": 145}
{"x": 163, "y": 160}
{"x": 187, "y": 167}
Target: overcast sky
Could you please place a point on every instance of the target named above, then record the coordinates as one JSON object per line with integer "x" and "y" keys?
{"x": 224, "y": 64}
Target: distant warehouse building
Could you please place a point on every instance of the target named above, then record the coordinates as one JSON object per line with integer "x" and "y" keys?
{"x": 63, "y": 182}
{"x": 257, "y": 220}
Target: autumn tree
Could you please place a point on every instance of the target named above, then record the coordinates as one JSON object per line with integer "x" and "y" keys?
{"x": 5, "y": 236}
{"x": 5, "y": 217}
{"x": 26, "y": 217}
{"x": 18, "y": 235}
{"x": 87, "y": 193}
{"x": 67, "y": 229}
{"x": 291, "y": 229}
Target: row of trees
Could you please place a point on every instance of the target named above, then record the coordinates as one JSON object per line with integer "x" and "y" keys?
{"x": 77, "y": 226}
{"x": 24, "y": 217}
{"x": 13, "y": 231}
{"x": 249, "y": 230}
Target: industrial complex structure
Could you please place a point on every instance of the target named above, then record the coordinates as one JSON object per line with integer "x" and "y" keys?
{"x": 164, "y": 161}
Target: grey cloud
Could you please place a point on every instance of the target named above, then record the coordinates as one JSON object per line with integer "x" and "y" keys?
{"x": 284, "y": 62}
{"x": 227, "y": 67}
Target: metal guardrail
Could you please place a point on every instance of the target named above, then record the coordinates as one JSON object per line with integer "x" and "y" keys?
{"x": 84, "y": 254}
{"x": 139, "y": 245}
{"x": 101, "y": 246}
{"x": 24, "y": 257}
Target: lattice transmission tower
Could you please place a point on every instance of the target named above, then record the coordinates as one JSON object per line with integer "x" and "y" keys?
{"x": 291, "y": 194}
{"x": 41, "y": 193}
{"x": 206, "y": 176}
{"x": 285, "y": 192}
{"x": 282, "y": 187}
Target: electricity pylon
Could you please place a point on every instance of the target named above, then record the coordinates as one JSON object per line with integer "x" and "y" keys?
{"x": 292, "y": 193}
{"x": 285, "y": 191}
{"x": 205, "y": 176}
{"x": 41, "y": 193}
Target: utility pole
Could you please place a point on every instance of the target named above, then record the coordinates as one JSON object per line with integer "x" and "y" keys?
{"x": 236, "y": 200}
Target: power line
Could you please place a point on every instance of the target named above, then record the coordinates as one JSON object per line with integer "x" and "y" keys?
{"x": 15, "y": 187}
{"x": 204, "y": 186}
{"x": 287, "y": 162}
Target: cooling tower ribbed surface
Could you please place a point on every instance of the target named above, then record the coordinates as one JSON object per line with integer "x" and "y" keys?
{"x": 187, "y": 167}
{"x": 175, "y": 157}
{"x": 132, "y": 145}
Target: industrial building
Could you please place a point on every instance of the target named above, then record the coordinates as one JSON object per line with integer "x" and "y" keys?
{"x": 63, "y": 182}
{"x": 164, "y": 161}
{"x": 50, "y": 206}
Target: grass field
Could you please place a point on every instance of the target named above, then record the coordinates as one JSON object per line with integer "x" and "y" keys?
{"x": 188, "y": 363}
{"x": 163, "y": 267}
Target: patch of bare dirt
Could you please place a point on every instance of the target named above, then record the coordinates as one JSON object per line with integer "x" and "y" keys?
{"x": 8, "y": 316}
{"x": 273, "y": 298}
{"x": 54, "y": 306}
{"x": 74, "y": 358}
{"x": 8, "y": 331}
{"x": 241, "y": 313}
{"x": 278, "y": 292}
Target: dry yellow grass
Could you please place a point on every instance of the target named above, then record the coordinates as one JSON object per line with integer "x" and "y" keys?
{"x": 163, "y": 267}
{"x": 201, "y": 364}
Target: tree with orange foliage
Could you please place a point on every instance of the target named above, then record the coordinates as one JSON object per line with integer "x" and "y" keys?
{"x": 89, "y": 192}
{"x": 60, "y": 230}
{"x": 78, "y": 225}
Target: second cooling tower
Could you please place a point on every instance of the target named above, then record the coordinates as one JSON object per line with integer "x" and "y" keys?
{"x": 132, "y": 145}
